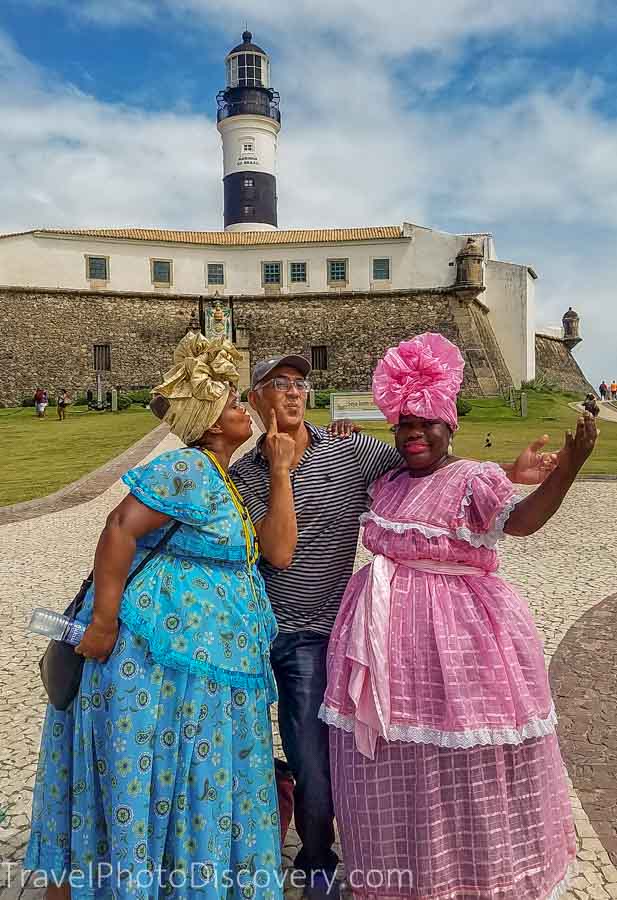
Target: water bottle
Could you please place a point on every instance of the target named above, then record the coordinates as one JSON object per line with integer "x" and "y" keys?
{"x": 56, "y": 627}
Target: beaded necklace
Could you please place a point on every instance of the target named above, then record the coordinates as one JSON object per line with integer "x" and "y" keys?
{"x": 250, "y": 535}
{"x": 252, "y": 553}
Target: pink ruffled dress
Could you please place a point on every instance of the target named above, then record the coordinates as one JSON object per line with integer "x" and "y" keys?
{"x": 445, "y": 763}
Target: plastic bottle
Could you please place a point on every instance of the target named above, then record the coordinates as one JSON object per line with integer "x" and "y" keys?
{"x": 56, "y": 626}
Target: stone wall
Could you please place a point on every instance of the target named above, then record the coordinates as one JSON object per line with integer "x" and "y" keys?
{"x": 555, "y": 362}
{"x": 48, "y": 338}
{"x": 356, "y": 328}
{"x": 48, "y": 335}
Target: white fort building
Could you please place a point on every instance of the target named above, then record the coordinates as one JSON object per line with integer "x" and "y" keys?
{"x": 71, "y": 298}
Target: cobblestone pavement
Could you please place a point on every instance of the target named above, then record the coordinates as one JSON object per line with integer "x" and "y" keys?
{"x": 608, "y": 409}
{"x": 584, "y": 679}
{"x": 563, "y": 571}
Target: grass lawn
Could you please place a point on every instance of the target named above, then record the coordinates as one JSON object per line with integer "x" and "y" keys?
{"x": 547, "y": 414}
{"x": 39, "y": 456}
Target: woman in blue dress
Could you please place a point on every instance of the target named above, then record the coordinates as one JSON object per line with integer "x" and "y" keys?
{"x": 158, "y": 780}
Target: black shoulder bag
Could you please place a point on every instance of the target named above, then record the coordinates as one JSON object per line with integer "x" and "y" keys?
{"x": 60, "y": 666}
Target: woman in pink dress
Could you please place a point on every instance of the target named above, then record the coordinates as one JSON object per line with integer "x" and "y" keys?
{"x": 447, "y": 777}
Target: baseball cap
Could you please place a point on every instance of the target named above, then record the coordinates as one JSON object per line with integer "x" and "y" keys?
{"x": 264, "y": 367}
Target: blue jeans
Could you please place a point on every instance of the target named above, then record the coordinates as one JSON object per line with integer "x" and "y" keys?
{"x": 299, "y": 664}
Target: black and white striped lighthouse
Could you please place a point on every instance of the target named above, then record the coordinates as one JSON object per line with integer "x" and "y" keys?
{"x": 249, "y": 121}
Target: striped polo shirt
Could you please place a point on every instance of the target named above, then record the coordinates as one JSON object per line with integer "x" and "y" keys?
{"x": 330, "y": 487}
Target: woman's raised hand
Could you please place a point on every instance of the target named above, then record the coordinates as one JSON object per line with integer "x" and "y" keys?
{"x": 578, "y": 446}
{"x": 278, "y": 448}
{"x": 342, "y": 428}
{"x": 532, "y": 465}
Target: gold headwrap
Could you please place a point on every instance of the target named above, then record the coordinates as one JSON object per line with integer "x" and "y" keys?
{"x": 198, "y": 385}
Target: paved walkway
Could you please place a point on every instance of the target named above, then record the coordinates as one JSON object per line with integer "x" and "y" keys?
{"x": 87, "y": 488}
{"x": 608, "y": 409}
{"x": 564, "y": 571}
{"x": 584, "y": 679}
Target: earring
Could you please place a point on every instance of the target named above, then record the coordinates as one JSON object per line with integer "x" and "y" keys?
{"x": 450, "y": 449}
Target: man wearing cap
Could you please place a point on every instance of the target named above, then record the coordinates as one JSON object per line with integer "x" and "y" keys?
{"x": 330, "y": 478}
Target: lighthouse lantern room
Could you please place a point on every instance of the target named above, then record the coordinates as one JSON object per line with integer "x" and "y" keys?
{"x": 249, "y": 121}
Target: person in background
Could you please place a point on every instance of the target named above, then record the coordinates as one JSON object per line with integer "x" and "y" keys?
{"x": 614, "y": 390}
{"x": 446, "y": 771}
{"x": 603, "y": 390}
{"x": 590, "y": 405}
{"x": 41, "y": 400}
{"x": 63, "y": 401}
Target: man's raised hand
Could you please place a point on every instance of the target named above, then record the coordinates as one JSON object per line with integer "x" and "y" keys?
{"x": 278, "y": 448}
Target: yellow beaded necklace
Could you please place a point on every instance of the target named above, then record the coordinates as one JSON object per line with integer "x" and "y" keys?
{"x": 250, "y": 535}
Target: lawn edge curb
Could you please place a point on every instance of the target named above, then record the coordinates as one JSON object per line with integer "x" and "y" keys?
{"x": 89, "y": 486}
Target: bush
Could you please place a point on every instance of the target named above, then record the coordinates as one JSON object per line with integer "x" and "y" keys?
{"x": 322, "y": 398}
{"x": 124, "y": 401}
{"x": 244, "y": 395}
{"x": 541, "y": 384}
{"x": 463, "y": 406}
{"x": 142, "y": 396}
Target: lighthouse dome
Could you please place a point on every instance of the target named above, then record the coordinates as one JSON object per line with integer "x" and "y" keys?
{"x": 248, "y": 65}
{"x": 247, "y": 45}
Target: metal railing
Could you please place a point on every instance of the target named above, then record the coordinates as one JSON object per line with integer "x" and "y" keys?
{"x": 264, "y": 106}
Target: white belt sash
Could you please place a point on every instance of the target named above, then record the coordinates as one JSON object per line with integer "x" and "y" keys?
{"x": 368, "y": 650}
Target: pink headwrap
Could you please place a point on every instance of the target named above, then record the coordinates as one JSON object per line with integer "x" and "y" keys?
{"x": 420, "y": 378}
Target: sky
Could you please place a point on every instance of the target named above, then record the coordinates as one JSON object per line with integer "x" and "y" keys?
{"x": 460, "y": 115}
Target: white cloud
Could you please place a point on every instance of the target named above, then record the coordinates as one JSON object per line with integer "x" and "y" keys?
{"x": 68, "y": 159}
{"x": 549, "y": 155}
{"x": 389, "y": 28}
{"x": 537, "y": 169}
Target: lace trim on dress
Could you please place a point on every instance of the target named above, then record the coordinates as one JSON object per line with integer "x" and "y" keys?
{"x": 462, "y": 533}
{"x": 561, "y": 888}
{"x": 454, "y": 740}
{"x": 485, "y": 538}
{"x": 428, "y": 531}
{"x": 489, "y": 538}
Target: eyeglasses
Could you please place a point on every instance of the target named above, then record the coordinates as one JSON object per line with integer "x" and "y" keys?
{"x": 282, "y": 383}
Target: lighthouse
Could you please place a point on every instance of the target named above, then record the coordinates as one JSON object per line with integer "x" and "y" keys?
{"x": 249, "y": 121}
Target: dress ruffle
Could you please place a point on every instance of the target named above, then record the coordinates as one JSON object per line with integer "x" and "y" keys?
{"x": 184, "y": 512}
{"x": 181, "y": 483}
{"x": 462, "y": 533}
{"x": 163, "y": 654}
{"x": 473, "y": 737}
{"x": 475, "y": 473}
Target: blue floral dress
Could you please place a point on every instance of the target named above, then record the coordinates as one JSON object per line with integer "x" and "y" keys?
{"x": 158, "y": 780}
